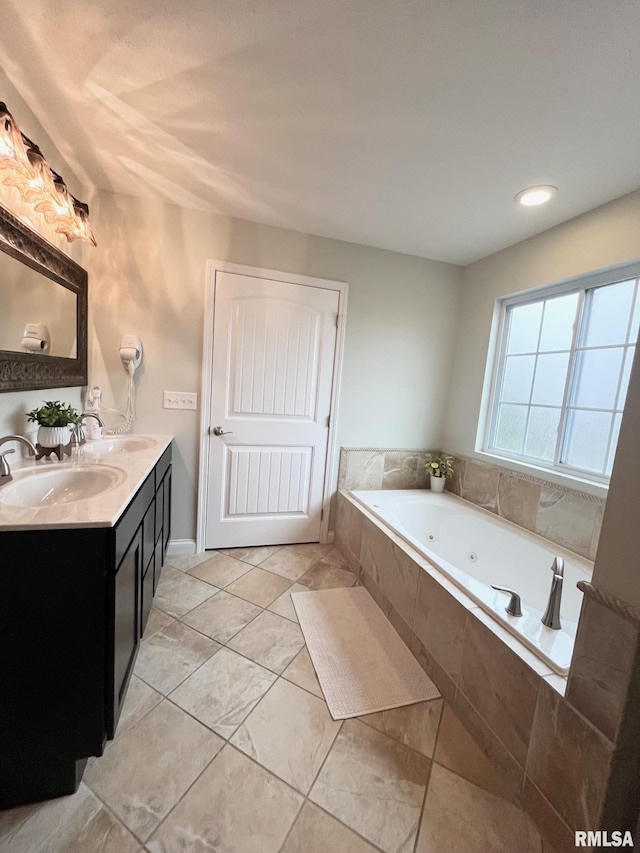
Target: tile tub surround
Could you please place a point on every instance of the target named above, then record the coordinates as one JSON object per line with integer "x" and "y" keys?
{"x": 568, "y": 517}
{"x": 604, "y": 685}
{"x": 239, "y": 757}
{"x": 544, "y": 751}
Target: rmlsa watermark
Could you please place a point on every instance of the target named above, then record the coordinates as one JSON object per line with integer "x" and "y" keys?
{"x": 600, "y": 839}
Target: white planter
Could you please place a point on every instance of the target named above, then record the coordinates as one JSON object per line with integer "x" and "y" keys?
{"x": 54, "y": 436}
{"x": 437, "y": 483}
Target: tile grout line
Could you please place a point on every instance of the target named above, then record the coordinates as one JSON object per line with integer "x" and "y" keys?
{"x": 308, "y": 800}
{"x": 199, "y": 666}
{"x": 432, "y": 761}
{"x": 227, "y": 741}
{"x": 278, "y": 675}
{"x": 108, "y": 809}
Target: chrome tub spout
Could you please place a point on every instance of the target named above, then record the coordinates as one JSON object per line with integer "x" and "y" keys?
{"x": 551, "y": 617}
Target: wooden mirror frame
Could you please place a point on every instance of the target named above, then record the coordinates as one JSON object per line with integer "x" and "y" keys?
{"x": 22, "y": 371}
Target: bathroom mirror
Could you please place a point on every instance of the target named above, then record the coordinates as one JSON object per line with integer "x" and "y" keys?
{"x": 42, "y": 287}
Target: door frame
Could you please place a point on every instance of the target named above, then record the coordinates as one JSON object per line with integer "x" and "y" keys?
{"x": 213, "y": 267}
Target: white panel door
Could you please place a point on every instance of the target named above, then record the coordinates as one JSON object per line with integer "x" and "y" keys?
{"x": 274, "y": 346}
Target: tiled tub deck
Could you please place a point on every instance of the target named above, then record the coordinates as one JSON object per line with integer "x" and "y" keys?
{"x": 547, "y": 756}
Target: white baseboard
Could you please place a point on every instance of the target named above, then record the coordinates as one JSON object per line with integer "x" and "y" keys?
{"x": 186, "y": 547}
{"x": 181, "y": 547}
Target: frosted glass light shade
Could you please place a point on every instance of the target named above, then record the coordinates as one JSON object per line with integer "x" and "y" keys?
{"x": 23, "y": 167}
{"x": 13, "y": 153}
{"x": 78, "y": 228}
{"x": 38, "y": 184}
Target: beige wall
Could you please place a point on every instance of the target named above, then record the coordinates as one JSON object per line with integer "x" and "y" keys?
{"x": 605, "y": 237}
{"x": 617, "y": 567}
{"x": 147, "y": 277}
{"x": 13, "y": 405}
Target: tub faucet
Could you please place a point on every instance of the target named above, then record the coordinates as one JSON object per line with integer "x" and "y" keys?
{"x": 5, "y": 471}
{"x": 551, "y": 617}
{"x": 513, "y": 608}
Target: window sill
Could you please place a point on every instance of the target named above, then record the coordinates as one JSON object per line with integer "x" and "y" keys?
{"x": 599, "y": 490}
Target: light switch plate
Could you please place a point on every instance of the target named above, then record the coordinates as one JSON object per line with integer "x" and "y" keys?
{"x": 180, "y": 400}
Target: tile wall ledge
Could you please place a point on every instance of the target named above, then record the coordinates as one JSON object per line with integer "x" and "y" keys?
{"x": 389, "y": 449}
{"x": 529, "y": 478}
{"x": 490, "y": 462}
{"x": 628, "y": 611}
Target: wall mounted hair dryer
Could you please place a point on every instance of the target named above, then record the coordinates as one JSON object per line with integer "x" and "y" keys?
{"x": 131, "y": 353}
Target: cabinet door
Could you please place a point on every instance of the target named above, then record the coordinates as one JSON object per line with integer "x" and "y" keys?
{"x": 148, "y": 536}
{"x": 166, "y": 524}
{"x": 126, "y": 635}
{"x": 159, "y": 510}
{"x": 147, "y": 596}
{"x": 158, "y": 565}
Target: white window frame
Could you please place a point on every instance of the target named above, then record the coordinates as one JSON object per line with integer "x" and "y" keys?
{"x": 578, "y": 285}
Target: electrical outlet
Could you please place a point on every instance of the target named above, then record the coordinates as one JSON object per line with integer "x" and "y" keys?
{"x": 180, "y": 400}
{"x": 93, "y": 399}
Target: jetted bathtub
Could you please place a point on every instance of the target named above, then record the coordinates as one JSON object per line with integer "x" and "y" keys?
{"x": 475, "y": 549}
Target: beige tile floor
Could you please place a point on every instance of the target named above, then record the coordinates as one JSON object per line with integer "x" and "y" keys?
{"x": 226, "y": 744}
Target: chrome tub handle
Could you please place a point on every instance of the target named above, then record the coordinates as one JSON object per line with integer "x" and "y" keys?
{"x": 513, "y": 608}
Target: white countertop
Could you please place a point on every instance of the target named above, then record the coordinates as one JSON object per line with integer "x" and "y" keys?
{"x": 102, "y": 510}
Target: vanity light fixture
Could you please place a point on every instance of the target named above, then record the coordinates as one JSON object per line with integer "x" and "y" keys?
{"x": 23, "y": 166}
{"x": 533, "y": 196}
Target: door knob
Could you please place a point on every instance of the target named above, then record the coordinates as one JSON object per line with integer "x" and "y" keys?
{"x": 219, "y": 431}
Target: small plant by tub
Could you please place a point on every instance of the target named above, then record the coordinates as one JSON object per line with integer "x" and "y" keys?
{"x": 439, "y": 466}
{"x": 54, "y": 420}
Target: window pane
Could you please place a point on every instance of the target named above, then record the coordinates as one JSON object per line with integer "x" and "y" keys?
{"x": 608, "y": 314}
{"x": 551, "y": 376}
{"x": 512, "y": 421}
{"x": 557, "y": 324}
{"x": 524, "y": 327}
{"x": 587, "y": 434}
{"x": 518, "y": 375}
{"x": 617, "y": 420}
{"x": 626, "y": 372}
{"x": 542, "y": 433}
{"x": 596, "y": 378}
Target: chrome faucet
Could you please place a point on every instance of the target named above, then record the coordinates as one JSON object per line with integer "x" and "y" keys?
{"x": 514, "y": 607}
{"x": 5, "y": 471}
{"x": 551, "y": 617}
{"x": 78, "y": 436}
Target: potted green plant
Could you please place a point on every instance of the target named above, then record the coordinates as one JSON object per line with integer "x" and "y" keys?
{"x": 439, "y": 466}
{"x": 54, "y": 419}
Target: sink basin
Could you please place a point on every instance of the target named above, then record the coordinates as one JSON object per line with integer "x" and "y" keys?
{"x": 118, "y": 445}
{"x": 38, "y": 487}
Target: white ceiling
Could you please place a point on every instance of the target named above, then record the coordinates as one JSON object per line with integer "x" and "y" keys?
{"x": 404, "y": 124}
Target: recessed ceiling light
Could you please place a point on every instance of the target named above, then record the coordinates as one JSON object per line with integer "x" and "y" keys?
{"x": 533, "y": 196}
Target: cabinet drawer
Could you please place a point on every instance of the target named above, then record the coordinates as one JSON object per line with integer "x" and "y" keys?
{"x": 132, "y": 518}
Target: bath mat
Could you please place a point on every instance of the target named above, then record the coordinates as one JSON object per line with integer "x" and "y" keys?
{"x": 361, "y": 663}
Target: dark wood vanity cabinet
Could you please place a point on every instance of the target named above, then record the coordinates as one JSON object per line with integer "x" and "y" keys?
{"x": 73, "y": 606}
